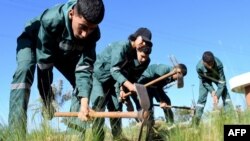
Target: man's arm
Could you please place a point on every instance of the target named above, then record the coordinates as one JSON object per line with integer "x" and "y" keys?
{"x": 84, "y": 81}
{"x": 154, "y": 71}
{"x": 207, "y": 84}
{"x": 221, "y": 86}
{"x": 46, "y": 42}
{"x": 84, "y": 71}
{"x": 118, "y": 59}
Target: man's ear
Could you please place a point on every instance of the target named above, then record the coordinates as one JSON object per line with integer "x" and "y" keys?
{"x": 71, "y": 13}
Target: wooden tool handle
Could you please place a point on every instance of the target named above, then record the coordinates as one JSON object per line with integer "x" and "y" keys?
{"x": 66, "y": 114}
{"x": 213, "y": 79}
{"x": 102, "y": 114}
{"x": 177, "y": 107}
{"x": 155, "y": 80}
{"x": 160, "y": 78}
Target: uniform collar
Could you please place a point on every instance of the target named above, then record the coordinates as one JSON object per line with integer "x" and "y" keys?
{"x": 68, "y": 33}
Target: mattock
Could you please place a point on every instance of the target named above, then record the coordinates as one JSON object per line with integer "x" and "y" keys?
{"x": 180, "y": 82}
{"x": 144, "y": 103}
{"x": 177, "y": 107}
{"x": 142, "y": 114}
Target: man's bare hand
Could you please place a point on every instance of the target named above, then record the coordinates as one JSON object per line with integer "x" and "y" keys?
{"x": 215, "y": 98}
{"x": 130, "y": 86}
{"x": 122, "y": 93}
{"x": 84, "y": 110}
{"x": 164, "y": 105}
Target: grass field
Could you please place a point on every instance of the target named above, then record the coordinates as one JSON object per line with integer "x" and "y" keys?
{"x": 210, "y": 129}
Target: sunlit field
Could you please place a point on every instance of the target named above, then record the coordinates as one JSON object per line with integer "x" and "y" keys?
{"x": 210, "y": 129}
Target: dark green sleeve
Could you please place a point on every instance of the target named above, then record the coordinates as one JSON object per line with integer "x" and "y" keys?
{"x": 205, "y": 82}
{"x": 161, "y": 69}
{"x": 84, "y": 70}
{"x": 50, "y": 26}
{"x": 43, "y": 52}
{"x": 118, "y": 58}
{"x": 154, "y": 71}
{"x": 46, "y": 43}
{"x": 85, "y": 66}
{"x": 145, "y": 77}
{"x": 221, "y": 86}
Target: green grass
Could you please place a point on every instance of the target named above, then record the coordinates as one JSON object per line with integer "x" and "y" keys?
{"x": 210, "y": 129}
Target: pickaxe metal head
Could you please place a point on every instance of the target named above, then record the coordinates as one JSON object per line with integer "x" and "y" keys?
{"x": 180, "y": 82}
{"x": 143, "y": 97}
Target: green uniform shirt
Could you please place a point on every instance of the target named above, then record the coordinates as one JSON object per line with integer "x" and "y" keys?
{"x": 118, "y": 61}
{"x": 151, "y": 73}
{"x": 216, "y": 73}
{"x": 155, "y": 71}
{"x": 53, "y": 36}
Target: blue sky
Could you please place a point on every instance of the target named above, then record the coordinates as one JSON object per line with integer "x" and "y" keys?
{"x": 180, "y": 28}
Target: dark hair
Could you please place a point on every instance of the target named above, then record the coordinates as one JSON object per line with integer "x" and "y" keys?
{"x": 91, "y": 10}
{"x": 208, "y": 57}
{"x": 183, "y": 68}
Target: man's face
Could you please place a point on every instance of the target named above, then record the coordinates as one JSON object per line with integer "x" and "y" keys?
{"x": 141, "y": 56}
{"x": 142, "y": 50}
{"x": 81, "y": 28}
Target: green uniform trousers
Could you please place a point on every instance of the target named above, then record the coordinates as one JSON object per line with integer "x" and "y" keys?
{"x": 23, "y": 80}
{"x": 203, "y": 93}
{"x": 102, "y": 95}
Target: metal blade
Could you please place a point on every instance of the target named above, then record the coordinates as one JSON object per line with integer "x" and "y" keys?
{"x": 142, "y": 94}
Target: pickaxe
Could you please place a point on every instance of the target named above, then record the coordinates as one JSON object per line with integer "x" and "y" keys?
{"x": 143, "y": 114}
{"x": 177, "y": 107}
{"x": 213, "y": 79}
{"x": 180, "y": 82}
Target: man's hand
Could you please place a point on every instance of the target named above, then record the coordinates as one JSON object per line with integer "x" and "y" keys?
{"x": 84, "y": 110}
{"x": 130, "y": 86}
{"x": 215, "y": 98}
{"x": 122, "y": 93}
{"x": 164, "y": 105}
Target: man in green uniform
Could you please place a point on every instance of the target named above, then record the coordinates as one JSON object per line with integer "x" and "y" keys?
{"x": 121, "y": 62}
{"x": 63, "y": 36}
{"x": 157, "y": 90}
{"x": 210, "y": 70}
